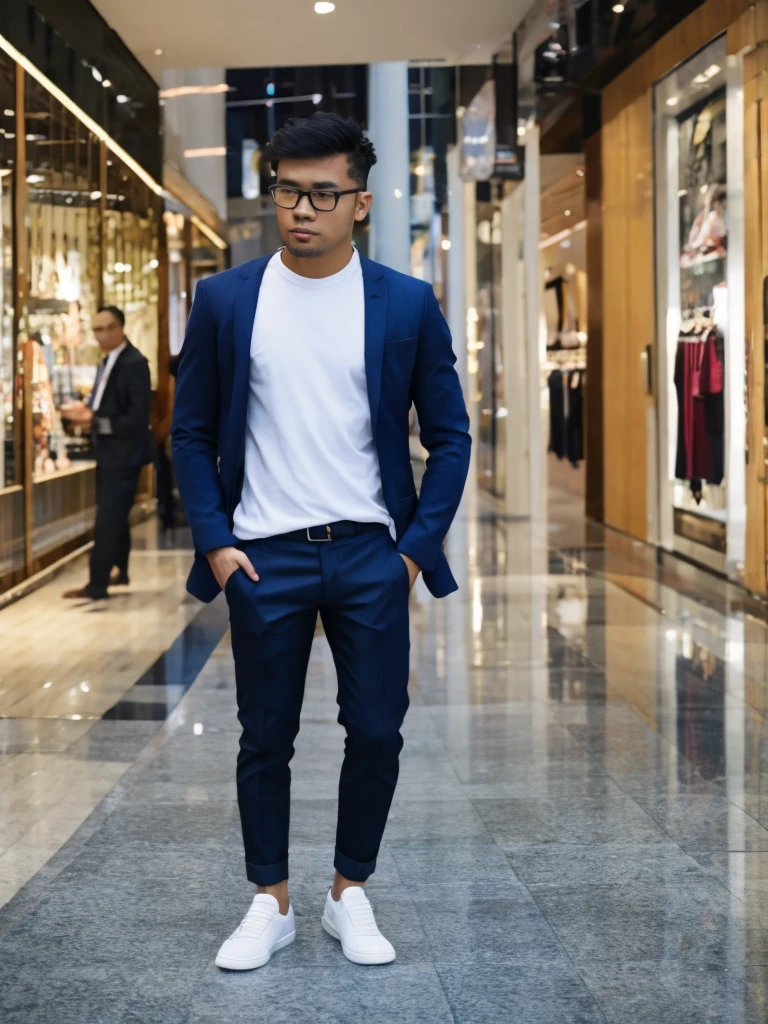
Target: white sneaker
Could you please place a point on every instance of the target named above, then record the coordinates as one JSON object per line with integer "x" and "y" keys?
{"x": 263, "y": 931}
{"x": 351, "y": 921}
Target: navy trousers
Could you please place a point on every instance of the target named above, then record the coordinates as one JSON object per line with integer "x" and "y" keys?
{"x": 359, "y": 585}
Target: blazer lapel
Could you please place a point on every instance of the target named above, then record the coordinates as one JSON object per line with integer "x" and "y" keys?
{"x": 375, "y": 292}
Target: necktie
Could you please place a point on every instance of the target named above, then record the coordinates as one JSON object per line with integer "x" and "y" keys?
{"x": 97, "y": 382}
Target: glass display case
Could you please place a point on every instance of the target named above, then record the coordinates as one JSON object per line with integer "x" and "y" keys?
{"x": 63, "y": 253}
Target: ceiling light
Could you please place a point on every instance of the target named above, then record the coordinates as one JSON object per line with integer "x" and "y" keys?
{"x": 122, "y": 98}
{"x": 398, "y": 194}
{"x": 97, "y": 74}
{"x": 106, "y": 83}
{"x": 567, "y": 213}
{"x": 96, "y": 195}
{"x": 76, "y": 718}
{"x": 159, "y": 51}
{"x": 419, "y": 170}
{"x": 317, "y": 98}
{"x": 193, "y": 90}
{"x": 520, "y": 131}
{"x": 673, "y": 101}
{"x": 580, "y": 172}
{"x": 618, "y": 8}
{"x": 35, "y": 179}
{"x": 85, "y": 687}
{"x": 154, "y": 264}
{"x": 324, "y": 7}
{"x": 47, "y": 686}
{"x": 445, "y": 244}
{"x": 206, "y": 151}
{"x": 197, "y": 728}
{"x": 8, "y": 113}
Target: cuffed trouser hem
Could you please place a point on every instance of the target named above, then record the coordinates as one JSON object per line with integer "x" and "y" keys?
{"x": 354, "y": 870}
{"x": 266, "y": 874}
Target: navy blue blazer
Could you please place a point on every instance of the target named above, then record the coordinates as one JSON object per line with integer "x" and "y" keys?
{"x": 408, "y": 357}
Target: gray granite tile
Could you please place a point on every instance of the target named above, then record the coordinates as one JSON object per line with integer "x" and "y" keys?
{"x": 580, "y": 820}
{"x": 706, "y": 823}
{"x": 344, "y": 994}
{"x": 534, "y": 994}
{"x": 674, "y": 993}
{"x": 114, "y": 741}
{"x": 477, "y": 859}
{"x": 698, "y": 922}
{"x": 553, "y": 865}
{"x": 507, "y": 928}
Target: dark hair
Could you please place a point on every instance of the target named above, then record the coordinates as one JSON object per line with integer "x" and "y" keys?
{"x": 324, "y": 134}
{"x": 116, "y": 312}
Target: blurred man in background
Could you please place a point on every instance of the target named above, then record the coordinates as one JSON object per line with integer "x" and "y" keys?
{"x": 117, "y": 411}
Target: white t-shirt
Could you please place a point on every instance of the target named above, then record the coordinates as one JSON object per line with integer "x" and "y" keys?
{"x": 310, "y": 456}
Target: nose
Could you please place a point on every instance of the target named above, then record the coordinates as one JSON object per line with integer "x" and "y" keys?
{"x": 304, "y": 209}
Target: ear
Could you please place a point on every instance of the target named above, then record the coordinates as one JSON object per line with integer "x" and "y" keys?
{"x": 363, "y": 205}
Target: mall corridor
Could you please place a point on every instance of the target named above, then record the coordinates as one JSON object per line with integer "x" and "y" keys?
{"x": 578, "y": 835}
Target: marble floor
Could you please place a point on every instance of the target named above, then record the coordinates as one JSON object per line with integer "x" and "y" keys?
{"x": 579, "y": 834}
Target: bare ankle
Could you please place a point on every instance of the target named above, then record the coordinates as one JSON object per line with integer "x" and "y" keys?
{"x": 340, "y": 883}
{"x": 280, "y": 892}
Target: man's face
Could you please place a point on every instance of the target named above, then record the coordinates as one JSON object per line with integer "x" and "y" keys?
{"x": 307, "y": 232}
{"x": 108, "y": 330}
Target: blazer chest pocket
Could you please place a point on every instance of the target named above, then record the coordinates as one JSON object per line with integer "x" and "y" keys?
{"x": 400, "y": 345}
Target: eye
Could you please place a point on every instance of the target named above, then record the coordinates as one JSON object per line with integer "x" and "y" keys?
{"x": 324, "y": 197}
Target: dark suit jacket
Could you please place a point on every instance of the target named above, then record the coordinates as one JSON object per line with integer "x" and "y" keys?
{"x": 408, "y": 357}
{"x": 125, "y": 403}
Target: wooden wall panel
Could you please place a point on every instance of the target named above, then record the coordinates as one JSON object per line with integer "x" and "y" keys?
{"x": 755, "y": 268}
{"x": 628, "y": 311}
{"x": 699, "y": 28}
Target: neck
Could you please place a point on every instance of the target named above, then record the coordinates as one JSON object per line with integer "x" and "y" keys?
{"x": 329, "y": 263}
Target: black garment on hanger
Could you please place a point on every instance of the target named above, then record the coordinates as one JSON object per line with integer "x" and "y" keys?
{"x": 575, "y": 422}
{"x": 557, "y": 422}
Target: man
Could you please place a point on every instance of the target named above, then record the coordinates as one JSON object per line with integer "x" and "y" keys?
{"x": 117, "y": 411}
{"x": 290, "y": 441}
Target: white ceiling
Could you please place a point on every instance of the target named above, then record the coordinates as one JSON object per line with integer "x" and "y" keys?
{"x": 273, "y": 33}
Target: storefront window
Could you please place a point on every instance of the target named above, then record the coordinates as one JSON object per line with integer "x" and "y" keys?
{"x": 10, "y": 461}
{"x": 699, "y": 250}
{"x": 63, "y": 271}
{"x": 490, "y": 365}
{"x": 131, "y": 257}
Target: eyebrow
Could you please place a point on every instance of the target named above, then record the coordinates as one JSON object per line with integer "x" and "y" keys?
{"x": 316, "y": 185}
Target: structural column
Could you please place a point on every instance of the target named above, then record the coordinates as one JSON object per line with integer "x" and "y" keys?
{"x": 390, "y": 180}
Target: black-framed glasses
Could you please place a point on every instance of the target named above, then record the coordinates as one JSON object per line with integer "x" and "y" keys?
{"x": 321, "y": 200}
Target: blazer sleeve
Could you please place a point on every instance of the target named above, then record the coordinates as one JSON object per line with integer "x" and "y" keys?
{"x": 133, "y": 422}
{"x": 444, "y": 432}
{"x": 195, "y": 431}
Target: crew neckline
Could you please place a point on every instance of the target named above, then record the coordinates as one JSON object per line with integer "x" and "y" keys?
{"x": 315, "y": 282}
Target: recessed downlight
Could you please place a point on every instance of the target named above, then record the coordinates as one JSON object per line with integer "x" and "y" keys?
{"x": 324, "y": 7}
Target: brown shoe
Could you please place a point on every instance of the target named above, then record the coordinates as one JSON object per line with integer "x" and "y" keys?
{"x": 84, "y": 594}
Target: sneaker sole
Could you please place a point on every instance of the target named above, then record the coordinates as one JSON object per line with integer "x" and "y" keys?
{"x": 228, "y": 964}
{"x": 357, "y": 958}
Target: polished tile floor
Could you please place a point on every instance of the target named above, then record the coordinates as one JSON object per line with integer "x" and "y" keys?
{"x": 579, "y": 834}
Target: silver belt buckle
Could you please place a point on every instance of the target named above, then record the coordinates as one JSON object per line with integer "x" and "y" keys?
{"x": 319, "y": 540}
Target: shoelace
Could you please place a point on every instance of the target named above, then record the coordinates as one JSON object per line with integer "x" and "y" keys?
{"x": 361, "y": 913}
{"x": 255, "y": 921}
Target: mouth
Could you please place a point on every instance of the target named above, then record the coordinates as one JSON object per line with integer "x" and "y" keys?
{"x": 302, "y": 234}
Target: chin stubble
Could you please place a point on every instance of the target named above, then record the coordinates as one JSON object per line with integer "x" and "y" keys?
{"x": 306, "y": 254}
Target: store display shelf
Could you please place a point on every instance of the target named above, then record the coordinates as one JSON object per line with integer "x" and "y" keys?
{"x": 706, "y": 260}
{"x": 56, "y": 474}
